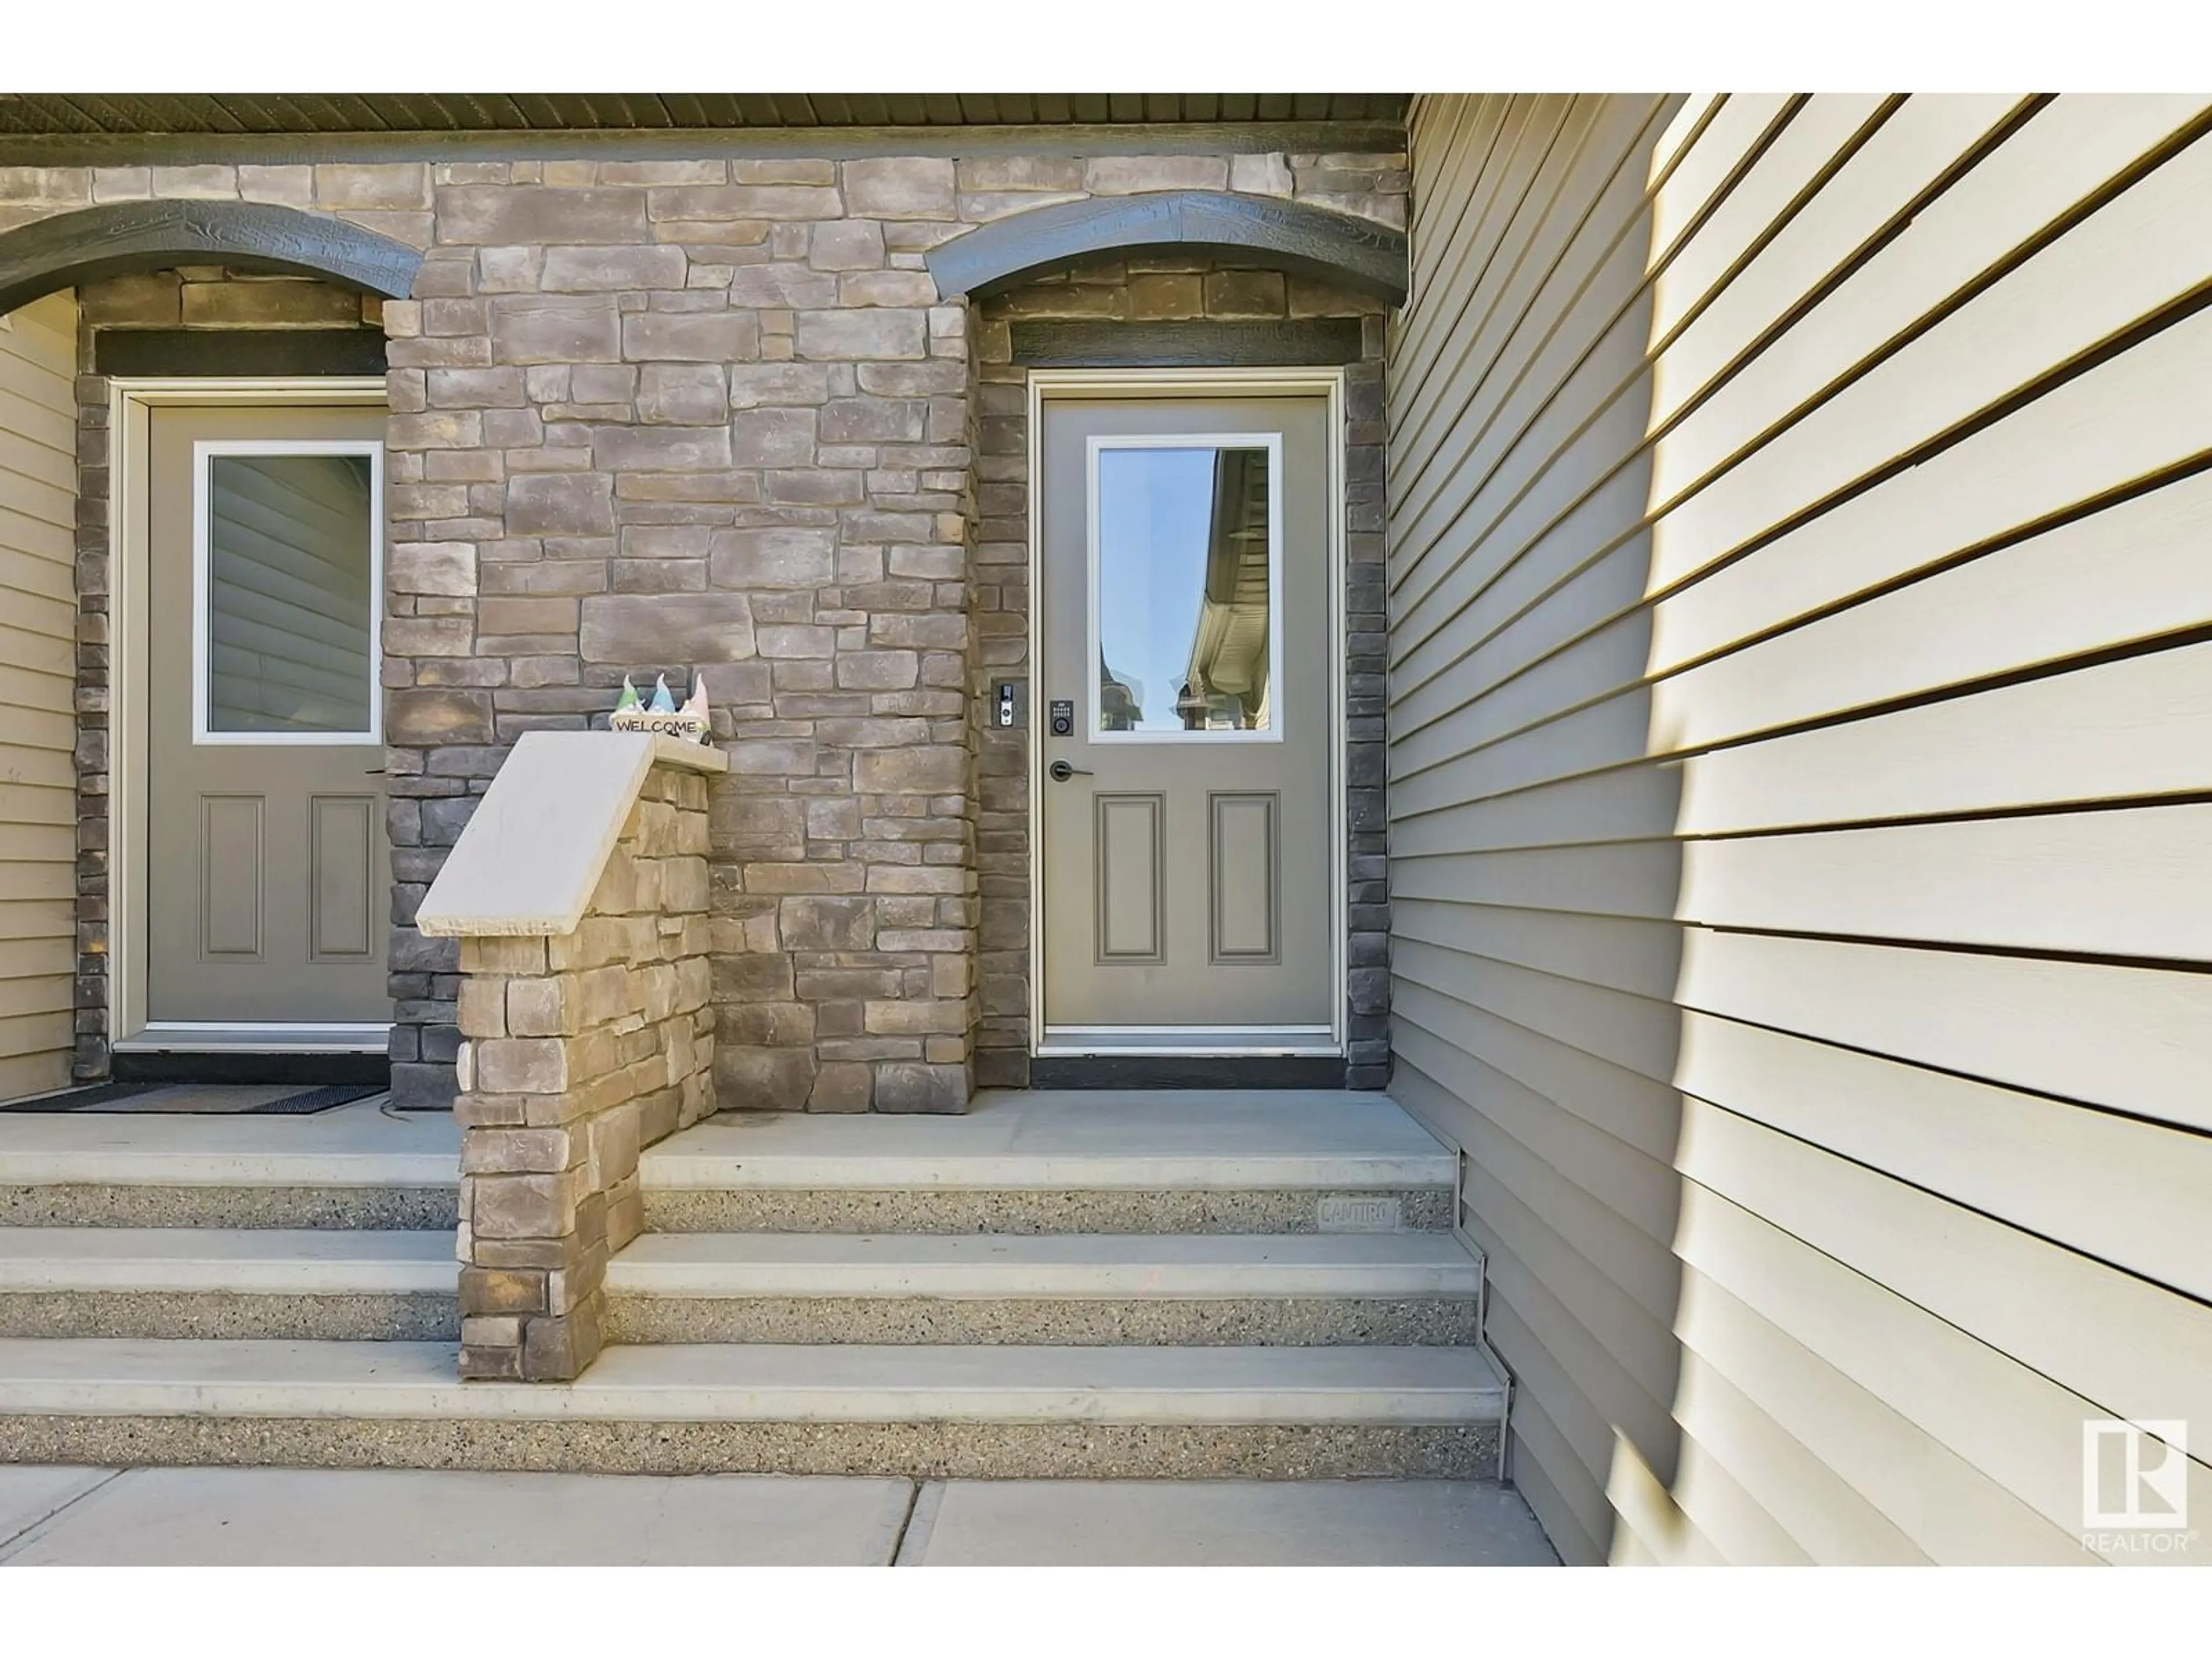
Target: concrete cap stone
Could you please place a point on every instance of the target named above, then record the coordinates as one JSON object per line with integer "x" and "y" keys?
{"x": 529, "y": 860}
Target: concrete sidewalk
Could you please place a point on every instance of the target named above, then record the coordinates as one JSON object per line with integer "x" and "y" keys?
{"x": 400, "y": 1517}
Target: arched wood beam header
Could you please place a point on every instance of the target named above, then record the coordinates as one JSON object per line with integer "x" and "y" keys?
{"x": 1353, "y": 253}
{"x": 71, "y": 248}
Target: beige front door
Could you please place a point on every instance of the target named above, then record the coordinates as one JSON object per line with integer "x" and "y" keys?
{"x": 1186, "y": 729}
{"x": 264, "y": 853}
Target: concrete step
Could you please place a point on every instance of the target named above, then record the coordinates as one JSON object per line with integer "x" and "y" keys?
{"x": 1407, "y": 1289}
{"x": 354, "y": 1167}
{"x": 1003, "y": 1412}
{"x": 1046, "y": 1161}
{"x": 230, "y": 1282}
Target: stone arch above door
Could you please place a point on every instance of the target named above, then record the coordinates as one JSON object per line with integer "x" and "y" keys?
{"x": 72, "y": 248}
{"x": 1355, "y": 252}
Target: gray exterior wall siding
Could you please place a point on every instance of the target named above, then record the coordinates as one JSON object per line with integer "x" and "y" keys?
{"x": 1797, "y": 614}
{"x": 1536, "y": 1040}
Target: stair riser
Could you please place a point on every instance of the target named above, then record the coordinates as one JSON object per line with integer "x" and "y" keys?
{"x": 379, "y": 1209}
{"x": 919, "y": 1451}
{"x": 1317, "y": 1321}
{"x": 162, "y": 1315}
{"x": 1021, "y": 1210}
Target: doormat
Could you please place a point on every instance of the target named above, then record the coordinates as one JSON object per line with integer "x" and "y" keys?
{"x": 201, "y": 1099}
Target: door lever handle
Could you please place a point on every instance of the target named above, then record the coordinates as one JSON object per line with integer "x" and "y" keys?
{"x": 1059, "y": 771}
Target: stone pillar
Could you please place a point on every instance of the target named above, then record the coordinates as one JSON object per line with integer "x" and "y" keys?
{"x": 582, "y": 1049}
{"x": 697, "y": 413}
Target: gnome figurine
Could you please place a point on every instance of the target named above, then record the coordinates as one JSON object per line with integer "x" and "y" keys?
{"x": 663, "y": 702}
{"x": 694, "y": 716}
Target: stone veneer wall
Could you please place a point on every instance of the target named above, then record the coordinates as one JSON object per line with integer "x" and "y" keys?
{"x": 582, "y": 1050}
{"x": 194, "y": 297}
{"x": 654, "y": 415}
{"x": 1157, "y": 287}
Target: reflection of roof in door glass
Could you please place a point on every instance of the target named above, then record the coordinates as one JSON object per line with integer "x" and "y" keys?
{"x": 1183, "y": 593}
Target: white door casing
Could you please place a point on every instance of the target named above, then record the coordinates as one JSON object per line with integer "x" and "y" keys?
{"x": 349, "y": 1012}
{"x": 1223, "y": 808}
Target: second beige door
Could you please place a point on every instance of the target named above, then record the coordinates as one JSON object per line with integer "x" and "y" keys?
{"x": 1187, "y": 732}
{"x": 266, "y": 867}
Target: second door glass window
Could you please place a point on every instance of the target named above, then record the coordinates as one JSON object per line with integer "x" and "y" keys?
{"x": 1185, "y": 590}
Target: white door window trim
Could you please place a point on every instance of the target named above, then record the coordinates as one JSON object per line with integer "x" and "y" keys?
{"x": 1097, "y": 446}
{"x": 129, "y": 404}
{"x": 206, "y": 452}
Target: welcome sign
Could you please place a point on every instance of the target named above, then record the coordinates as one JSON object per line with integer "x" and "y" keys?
{"x": 662, "y": 716}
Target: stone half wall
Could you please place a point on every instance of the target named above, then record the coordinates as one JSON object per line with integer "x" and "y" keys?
{"x": 709, "y": 413}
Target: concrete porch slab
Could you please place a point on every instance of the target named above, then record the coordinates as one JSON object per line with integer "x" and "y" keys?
{"x": 405, "y": 1517}
{"x": 356, "y": 1145}
{"x": 1153, "y": 1140}
{"x": 1218, "y": 1523}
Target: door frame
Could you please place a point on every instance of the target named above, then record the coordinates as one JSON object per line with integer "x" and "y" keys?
{"x": 1046, "y": 386}
{"x": 131, "y": 402}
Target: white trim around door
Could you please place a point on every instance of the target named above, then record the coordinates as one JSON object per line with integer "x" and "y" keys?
{"x": 131, "y": 402}
{"x": 1046, "y": 385}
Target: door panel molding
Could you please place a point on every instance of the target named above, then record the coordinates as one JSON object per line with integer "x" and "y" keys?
{"x": 341, "y": 865}
{"x": 132, "y": 402}
{"x": 1129, "y": 867}
{"x": 1243, "y": 877}
{"x": 1046, "y": 385}
{"x": 232, "y": 887}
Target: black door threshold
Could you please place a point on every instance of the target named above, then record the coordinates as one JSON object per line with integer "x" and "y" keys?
{"x": 249, "y": 1065}
{"x": 1187, "y": 1071}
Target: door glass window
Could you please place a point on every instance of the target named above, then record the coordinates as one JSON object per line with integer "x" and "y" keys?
{"x": 1185, "y": 569}
{"x": 288, "y": 598}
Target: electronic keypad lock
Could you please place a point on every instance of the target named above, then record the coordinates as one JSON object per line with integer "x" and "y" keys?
{"x": 1060, "y": 720}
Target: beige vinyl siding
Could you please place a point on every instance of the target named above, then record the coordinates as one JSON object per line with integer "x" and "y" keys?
{"x": 1800, "y": 718}
{"x": 38, "y": 679}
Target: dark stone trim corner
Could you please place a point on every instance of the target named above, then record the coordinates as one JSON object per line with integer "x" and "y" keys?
{"x": 1355, "y": 253}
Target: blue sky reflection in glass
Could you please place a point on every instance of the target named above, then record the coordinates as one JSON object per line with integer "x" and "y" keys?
{"x": 1156, "y": 531}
